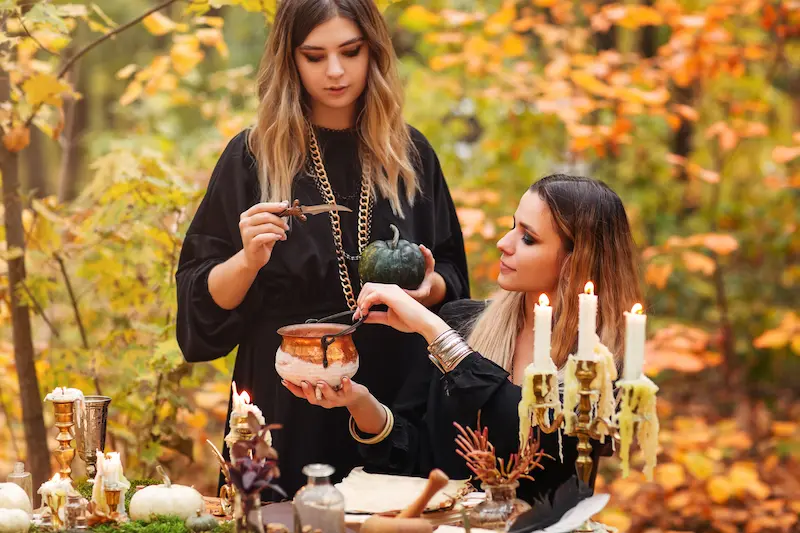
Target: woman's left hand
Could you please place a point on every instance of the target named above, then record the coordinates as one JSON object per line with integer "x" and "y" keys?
{"x": 432, "y": 289}
{"x": 348, "y": 394}
{"x": 404, "y": 313}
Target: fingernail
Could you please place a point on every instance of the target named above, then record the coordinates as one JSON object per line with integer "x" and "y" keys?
{"x": 304, "y": 385}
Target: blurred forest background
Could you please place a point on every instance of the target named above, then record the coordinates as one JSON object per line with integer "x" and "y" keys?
{"x": 690, "y": 109}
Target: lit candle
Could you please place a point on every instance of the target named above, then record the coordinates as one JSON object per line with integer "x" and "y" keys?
{"x": 56, "y": 486}
{"x": 587, "y": 324}
{"x": 543, "y": 324}
{"x": 112, "y": 468}
{"x": 634, "y": 342}
{"x": 241, "y": 406}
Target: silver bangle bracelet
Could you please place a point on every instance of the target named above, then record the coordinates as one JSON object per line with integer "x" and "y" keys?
{"x": 448, "y": 350}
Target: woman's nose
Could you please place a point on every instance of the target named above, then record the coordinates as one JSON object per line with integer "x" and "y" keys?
{"x": 335, "y": 67}
{"x": 505, "y": 244}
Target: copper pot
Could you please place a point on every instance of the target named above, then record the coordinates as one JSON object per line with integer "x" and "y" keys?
{"x": 317, "y": 351}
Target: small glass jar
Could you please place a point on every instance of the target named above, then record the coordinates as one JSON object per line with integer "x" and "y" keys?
{"x": 247, "y": 513}
{"x": 500, "y": 508}
{"x": 22, "y": 478}
{"x": 319, "y": 505}
{"x": 73, "y": 511}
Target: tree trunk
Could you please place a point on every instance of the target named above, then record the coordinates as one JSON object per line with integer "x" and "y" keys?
{"x": 72, "y": 155}
{"x": 38, "y": 458}
{"x": 36, "y": 165}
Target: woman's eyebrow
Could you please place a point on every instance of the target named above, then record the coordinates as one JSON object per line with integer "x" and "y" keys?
{"x": 319, "y": 48}
{"x": 528, "y": 229}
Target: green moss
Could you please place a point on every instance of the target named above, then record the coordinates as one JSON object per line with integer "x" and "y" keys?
{"x": 85, "y": 488}
{"x": 163, "y": 524}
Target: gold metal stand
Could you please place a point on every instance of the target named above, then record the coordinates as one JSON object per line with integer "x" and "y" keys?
{"x": 65, "y": 423}
{"x": 240, "y": 430}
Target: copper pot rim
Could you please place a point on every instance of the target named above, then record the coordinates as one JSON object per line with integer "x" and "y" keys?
{"x": 316, "y": 330}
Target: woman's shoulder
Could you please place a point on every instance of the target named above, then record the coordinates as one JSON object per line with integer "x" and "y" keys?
{"x": 461, "y": 314}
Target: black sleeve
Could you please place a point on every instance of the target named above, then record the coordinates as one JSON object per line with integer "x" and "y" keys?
{"x": 448, "y": 241}
{"x": 204, "y": 330}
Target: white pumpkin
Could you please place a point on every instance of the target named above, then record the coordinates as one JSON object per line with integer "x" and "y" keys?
{"x": 14, "y": 520}
{"x": 13, "y": 497}
{"x": 167, "y": 499}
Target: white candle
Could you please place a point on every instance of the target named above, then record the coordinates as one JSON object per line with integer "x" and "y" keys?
{"x": 56, "y": 485}
{"x": 543, "y": 324}
{"x": 587, "y": 324}
{"x": 112, "y": 469}
{"x": 635, "y": 322}
{"x": 241, "y": 406}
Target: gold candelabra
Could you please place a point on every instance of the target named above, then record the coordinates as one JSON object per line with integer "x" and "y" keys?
{"x": 240, "y": 430}
{"x": 65, "y": 423}
{"x": 588, "y": 424}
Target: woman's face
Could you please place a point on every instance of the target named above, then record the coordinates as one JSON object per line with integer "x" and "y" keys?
{"x": 532, "y": 250}
{"x": 333, "y": 63}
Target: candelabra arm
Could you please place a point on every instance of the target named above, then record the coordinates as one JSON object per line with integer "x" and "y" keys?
{"x": 540, "y": 415}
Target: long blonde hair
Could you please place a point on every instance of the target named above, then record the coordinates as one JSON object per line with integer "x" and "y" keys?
{"x": 279, "y": 140}
{"x": 598, "y": 247}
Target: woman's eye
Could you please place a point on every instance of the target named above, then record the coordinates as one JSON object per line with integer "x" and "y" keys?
{"x": 527, "y": 239}
{"x": 314, "y": 59}
{"x": 352, "y": 53}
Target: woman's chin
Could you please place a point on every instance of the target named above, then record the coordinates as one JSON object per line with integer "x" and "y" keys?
{"x": 505, "y": 282}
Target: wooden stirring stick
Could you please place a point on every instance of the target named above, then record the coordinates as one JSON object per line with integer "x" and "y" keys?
{"x": 436, "y": 482}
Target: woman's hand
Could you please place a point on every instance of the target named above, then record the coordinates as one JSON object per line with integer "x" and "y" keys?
{"x": 322, "y": 394}
{"x": 404, "y": 314}
{"x": 432, "y": 289}
{"x": 260, "y": 229}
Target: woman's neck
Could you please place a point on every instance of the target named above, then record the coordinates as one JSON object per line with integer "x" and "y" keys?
{"x": 333, "y": 118}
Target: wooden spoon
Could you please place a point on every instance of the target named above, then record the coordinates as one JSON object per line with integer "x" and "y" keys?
{"x": 436, "y": 482}
{"x": 383, "y": 524}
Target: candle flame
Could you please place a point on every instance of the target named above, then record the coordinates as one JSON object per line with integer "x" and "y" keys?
{"x": 245, "y": 397}
{"x": 588, "y": 288}
{"x": 544, "y": 300}
{"x": 637, "y": 309}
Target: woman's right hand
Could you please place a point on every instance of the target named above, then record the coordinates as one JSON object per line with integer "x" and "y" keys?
{"x": 404, "y": 312}
{"x": 261, "y": 228}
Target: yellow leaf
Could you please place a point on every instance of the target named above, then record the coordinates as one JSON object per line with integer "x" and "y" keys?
{"x": 158, "y": 24}
{"x": 774, "y": 338}
{"x": 500, "y": 21}
{"x": 132, "y": 92}
{"x": 442, "y": 62}
{"x": 784, "y": 154}
{"x": 721, "y": 244}
{"x": 657, "y": 274}
{"x": 698, "y": 465}
{"x": 589, "y": 83}
{"x": 784, "y": 429}
{"x": 17, "y": 138}
{"x": 697, "y": 262}
{"x": 513, "y": 46}
{"x": 719, "y": 489}
{"x": 635, "y": 16}
{"x": 670, "y": 476}
{"x": 44, "y": 88}
{"x": 214, "y": 22}
{"x": 125, "y": 72}
{"x": 418, "y": 18}
{"x": 185, "y": 55}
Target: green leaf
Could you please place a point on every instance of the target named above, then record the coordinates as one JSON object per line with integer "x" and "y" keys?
{"x": 47, "y": 14}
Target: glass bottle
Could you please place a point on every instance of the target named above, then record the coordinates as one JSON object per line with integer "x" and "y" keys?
{"x": 73, "y": 511}
{"x": 319, "y": 504}
{"x": 500, "y": 508}
{"x": 22, "y": 478}
{"x": 247, "y": 513}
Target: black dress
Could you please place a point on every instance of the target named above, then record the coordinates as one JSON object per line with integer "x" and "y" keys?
{"x": 301, "y": 281}
{"x": 423, "y": 437}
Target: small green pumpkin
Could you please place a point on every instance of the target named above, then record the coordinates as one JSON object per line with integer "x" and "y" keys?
{"x": 201, "y": 522}
{"x": 396, "y": 261}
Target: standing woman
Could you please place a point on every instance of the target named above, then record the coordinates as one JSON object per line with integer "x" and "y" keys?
{"x": 329, "y": 128}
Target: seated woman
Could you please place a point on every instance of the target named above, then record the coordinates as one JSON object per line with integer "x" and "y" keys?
{"x": 567, "y": 230}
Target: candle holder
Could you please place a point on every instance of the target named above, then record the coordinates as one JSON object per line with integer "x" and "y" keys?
{"x": 544, "y": 387}
{"x": 55, "y": 502}
{"x": 112, "y": 498}
{"x": 240, "y": 430}
{"x": 65, "y": 422}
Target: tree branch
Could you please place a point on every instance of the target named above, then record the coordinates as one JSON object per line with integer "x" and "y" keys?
{"x": 29, "y": 34}
{"x": 80, "y": 53}
{"x": 40, "y": 311}
{"x": 78, "y": 318}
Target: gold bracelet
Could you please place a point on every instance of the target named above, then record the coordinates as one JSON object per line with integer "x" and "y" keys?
{"x": 385, "y": 432}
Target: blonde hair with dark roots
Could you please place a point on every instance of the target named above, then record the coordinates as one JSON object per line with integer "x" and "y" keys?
{"x": 598, "y": 247}
{"x": 279, "y": 139}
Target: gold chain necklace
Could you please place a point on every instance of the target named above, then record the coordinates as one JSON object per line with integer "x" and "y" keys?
{"x": 364, "y": 215}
